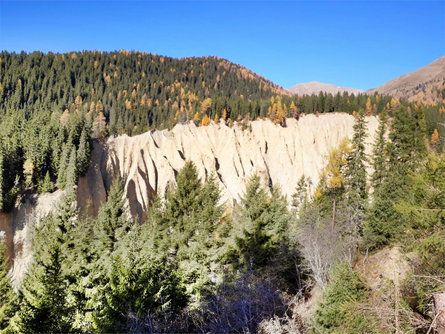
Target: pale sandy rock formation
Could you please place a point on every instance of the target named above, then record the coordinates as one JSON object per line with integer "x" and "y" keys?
{"x": 17, "y": 225}
{"x": 148, "y": 162}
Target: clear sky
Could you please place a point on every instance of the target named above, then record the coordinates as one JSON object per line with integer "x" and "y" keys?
{"x": 348, "y": 43}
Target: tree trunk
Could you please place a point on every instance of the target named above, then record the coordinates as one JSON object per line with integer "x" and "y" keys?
{"x": 333, "y": 216}
{"x": 439, "y": 306}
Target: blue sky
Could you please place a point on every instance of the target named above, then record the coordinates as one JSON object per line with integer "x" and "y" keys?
{"x": 348, "y": 43}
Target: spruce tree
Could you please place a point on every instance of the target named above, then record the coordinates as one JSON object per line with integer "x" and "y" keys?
{"x": 337, "y": 313}
{"x": 261, "y": 223}
{"x": 182, "y": 201}
{"x": 142, "y": 282}
{"x": 301, "y": 196}
{"x": 355, "y": 174}
{"x": 7, "y": 295}
{"x": 1, "y": 179}
{"x": 83, "y": 152}
{"x": 188, "y": 226}
{"x": 379, "y": 153}
{"x": 356, "y": 189}
{"x": 405, "y": 152}
{"x": 63, "y": 165}
{"x": 46, "y": 185}
{"x": 44, "y": 304}
{"x": 71, "y": 173}
{"x": 80, "y": 260}
{"x": 110, "y": 228}
{"x": 57, "y": 145}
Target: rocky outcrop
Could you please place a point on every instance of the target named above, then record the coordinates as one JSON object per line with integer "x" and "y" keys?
{"x": 280, "y": 155}
{"x": 16, "y": 228}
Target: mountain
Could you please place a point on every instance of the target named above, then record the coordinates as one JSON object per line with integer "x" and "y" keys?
{"x": 136, "y": 91}
{"x": 315, "y": 87}
{"x": 426, "y": 84}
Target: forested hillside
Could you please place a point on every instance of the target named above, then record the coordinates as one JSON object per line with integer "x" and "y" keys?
{"x": 133, "y": 92}
{"x": 195, "y": 265}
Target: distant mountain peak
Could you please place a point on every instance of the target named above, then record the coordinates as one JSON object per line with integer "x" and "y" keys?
{"x": 315, "y": 87}
{"x": 427, "y": 84}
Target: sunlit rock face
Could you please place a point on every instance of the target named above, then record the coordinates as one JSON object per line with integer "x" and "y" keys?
{"x": 280, "y": 155}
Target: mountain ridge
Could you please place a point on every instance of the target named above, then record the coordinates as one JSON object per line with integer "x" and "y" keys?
{"x": 315, "y": 87}
{"x": 426, "y": 84}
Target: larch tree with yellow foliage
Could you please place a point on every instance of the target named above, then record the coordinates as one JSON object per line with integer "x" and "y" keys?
{"x": 205, "y": 105}
{"x": 205, "y": 120}
{"x": 332, "y": 179}
{"x": 368, "y": 107}
{"x": 196, "y": 118}
{"x": 294, "y": 110}
{"x": 435, "y": 140}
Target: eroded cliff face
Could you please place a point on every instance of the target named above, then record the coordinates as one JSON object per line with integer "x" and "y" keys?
{"x": 16, "y": 229}
{"x": 280, "y": 155}
{"x": 148, "y": 163}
